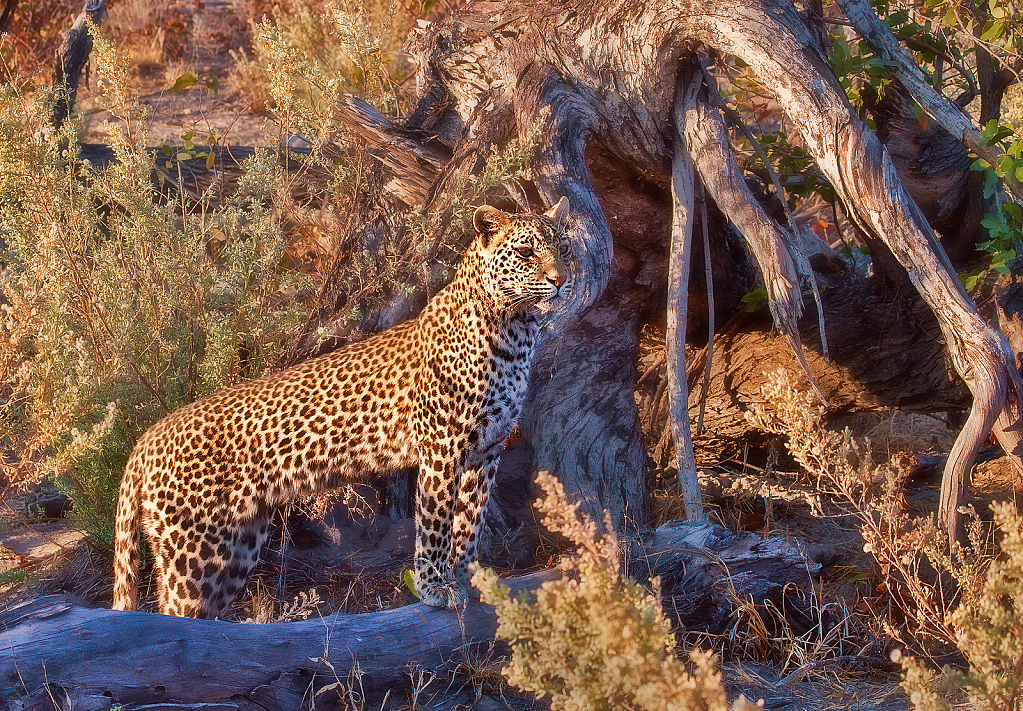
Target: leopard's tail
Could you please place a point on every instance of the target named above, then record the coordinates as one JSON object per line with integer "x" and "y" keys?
{"x": 126, "y": 539}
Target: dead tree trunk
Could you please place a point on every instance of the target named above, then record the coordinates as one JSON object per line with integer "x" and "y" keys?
{"x": 72, "y": 57}
{"x": 618, "y": 88}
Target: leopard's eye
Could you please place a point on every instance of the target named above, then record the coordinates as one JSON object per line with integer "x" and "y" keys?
{"x": 525, "y": 252}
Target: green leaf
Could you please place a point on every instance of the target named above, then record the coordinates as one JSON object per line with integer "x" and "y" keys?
{"x": 210, "y": 159}
{"x": 1004, "y": 165}
{"x": 755, "y": 300}
{"x": 183, "y": 155}
{"x": 992, "y": 31}
{"x": 410, "y": 583}
{"x": 184, "y": 81}
{"x": 990, "y": 183}
{"x": 969, "y": 279}
{"x": 213, "y": 84}
{"x": 897, "y": 18}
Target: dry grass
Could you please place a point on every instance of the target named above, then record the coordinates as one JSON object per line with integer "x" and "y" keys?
{"x": 142, "y": 29}
{"x": 81, "y": 571}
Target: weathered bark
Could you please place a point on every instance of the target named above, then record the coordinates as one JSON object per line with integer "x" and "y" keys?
{"x": 933, "y": 165}
{"x": 72, "y": 56}
{"x": 610, "y": 76}
{"x": 886, "y": 351}
{"x": 683, "y": 189}
{"x": 583, "y": 417}
{"x": 5, "y": 17}
{"x": 880, "y": 39}
{"x": 54, "y": 649}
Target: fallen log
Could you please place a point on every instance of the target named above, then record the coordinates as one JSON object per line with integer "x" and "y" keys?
{"x": 58, "y": 652}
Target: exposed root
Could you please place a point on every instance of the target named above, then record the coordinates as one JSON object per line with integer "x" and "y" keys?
{"x": 774, "y": 250}
{"x": 683, "y": 186}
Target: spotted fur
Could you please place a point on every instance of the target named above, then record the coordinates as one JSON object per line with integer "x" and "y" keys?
{"x": 441, "y": 392}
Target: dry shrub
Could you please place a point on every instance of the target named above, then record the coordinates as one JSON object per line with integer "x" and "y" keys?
{"x": 951, "y": 596}
{"x": 115, "y": 311}
{"x": 595, "y": 639}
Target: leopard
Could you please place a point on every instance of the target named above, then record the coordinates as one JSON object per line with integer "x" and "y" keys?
{"x": 441, "y": 391}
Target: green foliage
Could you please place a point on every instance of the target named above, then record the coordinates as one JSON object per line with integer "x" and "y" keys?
{"x": 1005, "y": 225}
{"x": 948, "y": 39}
{"x": 855, "y": 66}
{"x": 595, "y": 640}
{"x": 123, "y": 306}
{"x": 936, "y": 30}
{"x": 14, "y": 576}
{"x": 91, "y": 482}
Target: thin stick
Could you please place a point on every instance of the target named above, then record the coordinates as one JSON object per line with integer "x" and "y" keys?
{"x": 709, "y": 272}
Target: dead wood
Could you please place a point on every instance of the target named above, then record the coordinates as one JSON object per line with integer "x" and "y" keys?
{"x": 8, "y": 12}
{"x": 593, "y": 74}
{"x": 887, "y": 350}
{"x": 54, "y": 648}
{"x": 72, "y": 57}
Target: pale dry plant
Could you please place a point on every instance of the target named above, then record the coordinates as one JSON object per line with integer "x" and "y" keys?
{"x": 312, "y": 58}
{"x": 595, "y": 639}
{"x": 266, "y": 608}
{"x": 505, "y": 168}
{"x": 843, "y": 467}
{"x": 305, "y": 59}
{"x": 117, "y": 315}
{"x": 139, "y": 24}
{"x": 988, "y": 627}
{"x": 479, "y": 669}
{"x": 967, "y": 597}
{"x": 348, "y": 693}
{"x": 133, "y": 16}
{"x": 1012, "y": 107}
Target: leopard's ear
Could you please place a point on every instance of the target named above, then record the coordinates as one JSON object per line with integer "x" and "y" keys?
{"x": 559, "y": 212}
{"x": 488, "y": 221}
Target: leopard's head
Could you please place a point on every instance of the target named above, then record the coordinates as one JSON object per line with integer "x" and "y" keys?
{"x": 524, "y": 257}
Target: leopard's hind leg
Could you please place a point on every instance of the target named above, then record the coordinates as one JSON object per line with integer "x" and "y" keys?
{"x": 203, "y": 568}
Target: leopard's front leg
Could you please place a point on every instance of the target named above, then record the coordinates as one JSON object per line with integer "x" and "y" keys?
{"x": 474, "y": 493}
{"x": 435, "y": 506}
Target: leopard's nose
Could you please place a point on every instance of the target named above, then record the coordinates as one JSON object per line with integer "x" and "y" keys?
{"x": 557, "y": 280}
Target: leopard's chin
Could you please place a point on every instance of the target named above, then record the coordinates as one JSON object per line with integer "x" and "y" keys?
{"x": 544, "y": 307}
